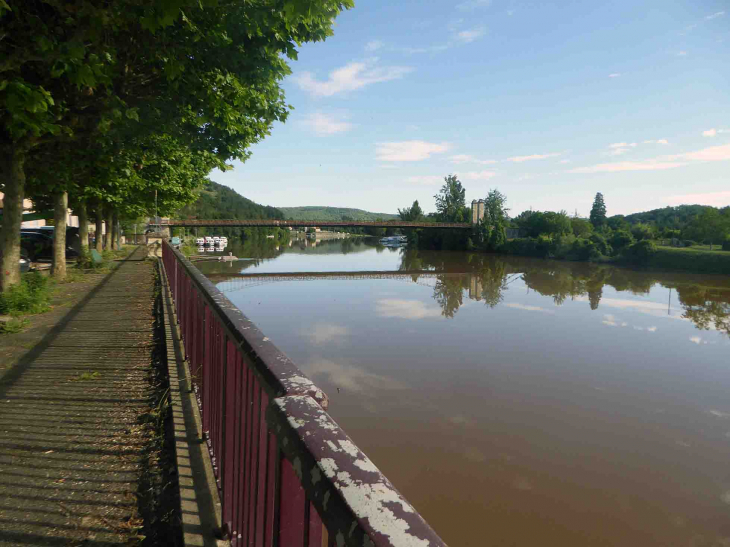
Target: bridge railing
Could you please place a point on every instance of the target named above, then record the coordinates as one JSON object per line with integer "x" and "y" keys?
{"x": 287, "y": 474}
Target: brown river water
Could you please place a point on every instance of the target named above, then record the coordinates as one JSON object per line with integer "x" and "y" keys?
{"x": 515, "y": 402}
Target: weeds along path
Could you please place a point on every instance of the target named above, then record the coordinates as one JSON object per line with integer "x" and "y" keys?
{"x": 80, "y": 421}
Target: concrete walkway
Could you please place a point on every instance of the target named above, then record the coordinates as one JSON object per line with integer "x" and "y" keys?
{"x": 75, "y": 420}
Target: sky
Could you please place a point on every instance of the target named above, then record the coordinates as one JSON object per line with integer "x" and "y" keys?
{"x": 548, "y": 102}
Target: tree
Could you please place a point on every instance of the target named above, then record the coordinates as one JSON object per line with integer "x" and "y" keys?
{"x": 413, "y": 213}
{"x": 495, "y": 219}
{"x": 598, "y": 212}
{"x": 205, "y": 73}
{"x": 451, "y": 201}
{"x": 581, "y": 227}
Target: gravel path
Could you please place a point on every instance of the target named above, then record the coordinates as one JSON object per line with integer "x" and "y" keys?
{"x": 75, "y": 420}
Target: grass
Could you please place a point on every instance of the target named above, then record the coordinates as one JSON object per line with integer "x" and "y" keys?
{"x": 697, "y": 259}
{"x": 88, "y": 376}
{"x": 14, "y": 325}
{"x": 32, "y": 295}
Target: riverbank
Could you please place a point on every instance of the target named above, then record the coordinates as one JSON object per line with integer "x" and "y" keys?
{"x": 642, "y": 254}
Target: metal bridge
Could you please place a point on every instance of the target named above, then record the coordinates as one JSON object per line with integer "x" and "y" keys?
{"x": 193, "y": 223}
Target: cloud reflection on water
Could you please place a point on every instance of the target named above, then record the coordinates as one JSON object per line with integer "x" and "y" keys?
{"x": 405, "y": 309}
{"x": 350, "y": 377}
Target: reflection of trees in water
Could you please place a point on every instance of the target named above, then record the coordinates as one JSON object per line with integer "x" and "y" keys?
{"x": 706, "y": 307}
{"x": 487, "y": 277}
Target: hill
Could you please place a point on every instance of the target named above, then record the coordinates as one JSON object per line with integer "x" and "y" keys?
{"x": 668, "y": 217}
{"x": 221, "y": 202}
{"x": 332, "y": 214}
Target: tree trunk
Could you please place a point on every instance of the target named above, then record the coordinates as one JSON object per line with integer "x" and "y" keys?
{"x": 12, "y": 175}
{"x": 99, "y": 226}
{"x": 108, "y": 220}
{"x": 115, "y": 231}
{"x": 83, "y": 226}
{"x": 60, "y": 213}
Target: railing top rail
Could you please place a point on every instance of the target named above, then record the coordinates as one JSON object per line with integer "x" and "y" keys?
{"x": 278, "y": 373}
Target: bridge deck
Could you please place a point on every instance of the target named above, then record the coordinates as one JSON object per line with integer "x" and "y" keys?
{"x": 312, "y": 223}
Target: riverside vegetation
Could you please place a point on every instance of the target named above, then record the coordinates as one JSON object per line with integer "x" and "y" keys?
{"x": 689, "y": 237}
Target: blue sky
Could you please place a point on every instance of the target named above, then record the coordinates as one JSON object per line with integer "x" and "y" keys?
{"x": 548, "y": 102}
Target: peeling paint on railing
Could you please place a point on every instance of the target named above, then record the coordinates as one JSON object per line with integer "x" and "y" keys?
{"x": 331, "y": 467}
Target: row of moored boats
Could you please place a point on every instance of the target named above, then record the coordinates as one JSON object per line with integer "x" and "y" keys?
{"x": 394, "y": 241}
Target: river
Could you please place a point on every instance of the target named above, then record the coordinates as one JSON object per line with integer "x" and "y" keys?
{"x": 514, "y": 402}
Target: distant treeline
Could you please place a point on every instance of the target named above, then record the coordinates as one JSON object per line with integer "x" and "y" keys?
{"x": 333, "y": 214}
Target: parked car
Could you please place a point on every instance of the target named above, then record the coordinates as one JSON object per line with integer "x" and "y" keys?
{"x": 39, "y": 246}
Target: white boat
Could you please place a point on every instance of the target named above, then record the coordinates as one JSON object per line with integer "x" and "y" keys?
{"x": 200, "y": 241}
{"x": 393, "y": 240}
{"x": 208, "y": 240}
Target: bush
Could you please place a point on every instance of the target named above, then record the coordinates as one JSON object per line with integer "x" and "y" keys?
{"x": 726, "y": 244}
{"x": 621, "y": 239}
{"x": 585, "y": 249}
{"x": 31, "y": 295}
{"x": 688, "y": 243}
{"x": 528, "y": 246}
{"x": 601, "y": 244}
{"x": 640, "y": 252}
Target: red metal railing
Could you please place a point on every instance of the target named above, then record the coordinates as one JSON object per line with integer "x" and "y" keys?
{"x": 287, "y": 474}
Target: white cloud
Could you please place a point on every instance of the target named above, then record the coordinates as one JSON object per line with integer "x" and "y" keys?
{"x": 682, "y": 54}
{"x": 651, "y": 329}
{"x": 350, "y": 77}
{"x": 520, "y": 159}
{"x": 696, "y": 340}
{"x": 658, "y": 141}
{"x": 429, "y": 49}
{"x": 408, "y": 150}
{"x": 351, "y": 378}
{"x": 425, "y": 180}
{"x": 525, "y": 307}
{"x": 716, "y": 199}
{"x": 473, "y": 4}
{"x": 464, "y": 158}
{"x": 713, "y": 153}
{"x": 325, "y": 124}
{"x": 405, "y": 309}
{"x": 614, "y": 75}
{"x": 467, "y": 36}
{"x": 478, "y": 175}
{"x": 714, "y": 132}
{"x": 609, "y": 320}
{"x": 622, "y": 145}
{"x": 373, "y": 45}
{"x": 646, "y": 165}
{"x": 322, "y": 333}
{"x": 714, "y": 15}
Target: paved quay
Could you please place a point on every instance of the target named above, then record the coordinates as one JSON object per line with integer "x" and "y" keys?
{"x": 76, "y": 422}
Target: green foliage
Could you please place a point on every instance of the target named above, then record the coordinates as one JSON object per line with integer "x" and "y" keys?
{"x": 642, "y": 231}
{"x": 549, "y": 224}
{"x": 451, "y": 201}
{"x": 332, "y": 214}
{"x": 602, "y": 246}
{"x": 539, "y": 247}
{"x": 598, "y": 211}
{"x": 689, "y": 243}
{"x": 14, "y": 325}
{"x": 221, "y": 202}
{"x": 620, "y": 239}
{"x": 581, "y": 227}
{"x": 413, "y": 213}
{"x": 726, "y": 244}
{"x": 32, "y": 295}
{"x": 495, "y": 220}
{"x": 691, "y": 259}
{"x": 640, "y": 252}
